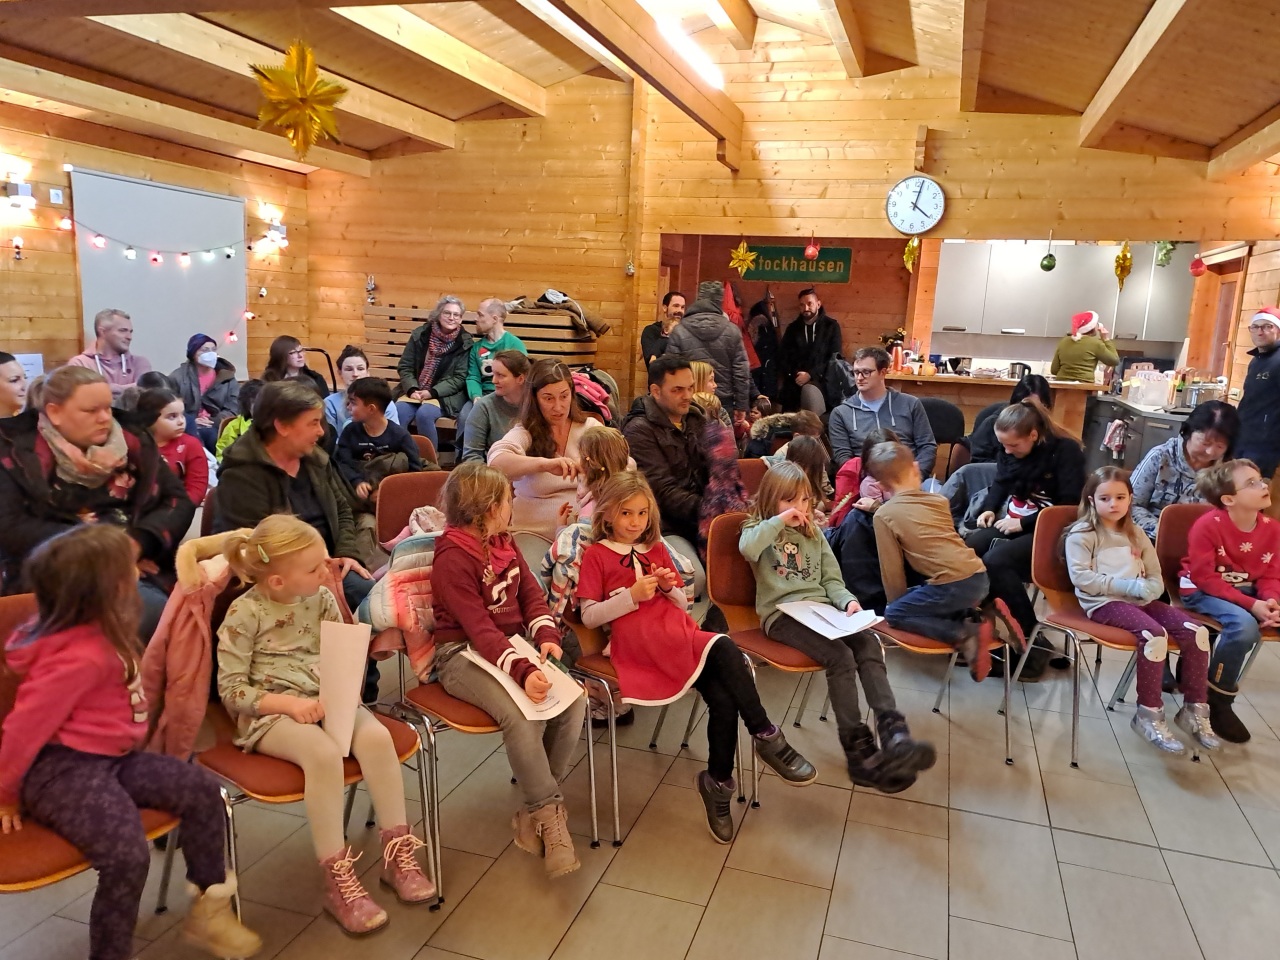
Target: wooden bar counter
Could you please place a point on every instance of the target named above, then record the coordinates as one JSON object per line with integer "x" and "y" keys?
{"x": 971, "y": 394}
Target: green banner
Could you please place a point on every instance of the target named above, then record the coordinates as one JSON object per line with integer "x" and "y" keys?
{"x": 787, "y": 264}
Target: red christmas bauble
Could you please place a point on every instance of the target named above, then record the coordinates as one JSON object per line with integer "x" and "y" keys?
{"x": 811, "y": 251}
{"x": 1197, "y": 267}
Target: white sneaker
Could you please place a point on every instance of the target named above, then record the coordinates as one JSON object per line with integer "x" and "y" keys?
{"x": 1150, "y": 725}
{"x": 1194, "y": 719}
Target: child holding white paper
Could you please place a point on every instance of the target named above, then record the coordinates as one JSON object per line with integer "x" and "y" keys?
{"x": 792, "y": 562}
{"x": 268, "y": 678}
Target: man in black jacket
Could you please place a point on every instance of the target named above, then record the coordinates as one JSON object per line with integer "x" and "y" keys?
{"x": 1260, "y": 402}
{"x": 809, "y": 343}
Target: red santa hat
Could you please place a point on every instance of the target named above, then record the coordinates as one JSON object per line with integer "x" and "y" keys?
{"x": 1267, "y": 315}
{"x": 1082, "y": 323}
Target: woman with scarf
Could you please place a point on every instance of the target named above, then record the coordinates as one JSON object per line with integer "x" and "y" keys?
{"x": 433, "y": 369}
{"x": 76, "y": 460}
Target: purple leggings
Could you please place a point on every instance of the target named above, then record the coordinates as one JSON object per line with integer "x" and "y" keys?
{"x": 92, "y": 802}
{"x": 1160, "y": 619}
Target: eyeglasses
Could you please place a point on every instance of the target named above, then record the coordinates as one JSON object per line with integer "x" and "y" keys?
{"x": 1255, "y": 483}
{"x": 860, "y": 374}
{"x": 1258, "y": 327}
{"x": 297, "y": 353}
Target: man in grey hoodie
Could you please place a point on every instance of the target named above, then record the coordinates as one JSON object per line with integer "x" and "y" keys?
{"x": 706, "y": 334}
{"x": 874, "y": 406}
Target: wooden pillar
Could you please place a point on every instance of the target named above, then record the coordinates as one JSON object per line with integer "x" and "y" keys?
{"x": 924, "y": 286}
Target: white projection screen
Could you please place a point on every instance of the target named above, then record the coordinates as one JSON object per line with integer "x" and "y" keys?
{"x": 168, "y": 301}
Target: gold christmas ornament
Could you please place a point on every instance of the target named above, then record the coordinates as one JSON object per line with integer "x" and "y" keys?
{"x": 297, "y": 101}
{"x": 1124, "y": 263}
{"x": 742, "y": 259}
{"x": 911, "y": 254}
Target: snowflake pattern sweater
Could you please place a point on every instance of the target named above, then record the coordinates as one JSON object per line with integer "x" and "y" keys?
{"x": 1221, "y": 558}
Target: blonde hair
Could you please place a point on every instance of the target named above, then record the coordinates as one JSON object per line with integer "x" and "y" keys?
{"x": 256, "y": 554}
{"x": 709, "y": 403}
{"x": 616, "y": 491}
{"x": 702, "y": 372}
{"x": 472, "y": 490}
{"x": 1218, "y": 481}
{"x": 782, "y": 481}
{"x": 604, "y": 452}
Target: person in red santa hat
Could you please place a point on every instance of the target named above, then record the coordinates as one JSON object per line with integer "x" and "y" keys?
{"x": 1260, "y": 397}
{"x": 1077, "y": 356}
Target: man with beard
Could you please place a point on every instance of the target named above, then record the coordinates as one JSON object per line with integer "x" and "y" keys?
{"x": 809, "y": 343}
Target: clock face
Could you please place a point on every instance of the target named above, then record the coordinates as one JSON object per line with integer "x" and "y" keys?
{"x": 915, "y": 205}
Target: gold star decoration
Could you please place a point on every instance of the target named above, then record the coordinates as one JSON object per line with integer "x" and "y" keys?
{"x": 297, "y": 101}
{"x": 742, "y": 259}
{"x": 1124, "y": 264}
{"x": 911, "y": 254}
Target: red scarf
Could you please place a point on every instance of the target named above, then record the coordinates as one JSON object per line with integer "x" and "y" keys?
{"x": 500, "y": 555}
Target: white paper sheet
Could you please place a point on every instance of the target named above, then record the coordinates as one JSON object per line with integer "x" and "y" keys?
{"x": 564, "y": 689}
{"x": 825, "y": 619}
{"x": 344, "y": 648}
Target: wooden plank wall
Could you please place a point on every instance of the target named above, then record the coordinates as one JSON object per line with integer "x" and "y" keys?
{"x": 40, "y": 309}
{"x": 1261, "y": 289}
{"x": 518, "y": 206}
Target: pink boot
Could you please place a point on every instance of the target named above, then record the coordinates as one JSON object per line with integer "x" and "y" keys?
{"x": 400, "y": 870}
{"x": 346, "y": 898}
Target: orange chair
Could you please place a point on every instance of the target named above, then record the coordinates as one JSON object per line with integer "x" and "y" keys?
{"x": 35, "y": 856}
{"x": 426, "y": 449}
{"x": 753, "y": 470}
{"x": 400, "y": 493}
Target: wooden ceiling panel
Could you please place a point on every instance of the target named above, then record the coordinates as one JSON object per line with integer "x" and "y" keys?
{"x": 886, "y": 27}
{"x": 1057, "y": 51}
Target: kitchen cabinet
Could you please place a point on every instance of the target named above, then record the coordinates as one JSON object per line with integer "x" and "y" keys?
{"x": 1017, "y": 301}
{"x": 1144, "y": 430}
{"x": 962, "y": 287}
{"x": 1169, "y": 306}
{"x": 1131, "y": 304}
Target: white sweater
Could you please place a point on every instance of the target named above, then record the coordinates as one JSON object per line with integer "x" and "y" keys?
{"x": 1106, "y": 566}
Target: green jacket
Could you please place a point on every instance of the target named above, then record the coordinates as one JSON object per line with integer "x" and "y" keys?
{"x": 790, "y": 566}
{"x": 450, "y": 386}
{"x": 1078, "y": 359}
{"x": 251, "y": 487}
{"x": 233, "y": 431}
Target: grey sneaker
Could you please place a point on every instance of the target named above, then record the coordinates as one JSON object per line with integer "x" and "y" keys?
{"x": 1194, "y": 719}
{"x": 784, "y": 759}
{"x": 1150, "y": 725}
{"x": 715, "y": 797}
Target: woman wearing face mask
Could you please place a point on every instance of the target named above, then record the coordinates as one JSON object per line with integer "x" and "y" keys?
{"x": 433, "y": 369}
{"x": 13, "y": 385}
{"x": 287, "y": 360}
{"x": 352, "y": 365}
{"x": 208, "y": 389}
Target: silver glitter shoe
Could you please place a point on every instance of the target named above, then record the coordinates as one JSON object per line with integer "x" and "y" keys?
{"x": 1194, "y": 719}
{"x": 1150, "y": 725}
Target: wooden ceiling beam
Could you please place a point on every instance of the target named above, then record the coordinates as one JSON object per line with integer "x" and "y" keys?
{"x": 40, "y": 82}
{"x": 84, "y": 8}
{"x": 842, "y": 25}
{"x": 1247, "y": 146}
{"x": 973, "y": 34}
{"x": 399, "y": 26}
{"x": 736, "y": 20}
{"x": 193, "y": 37}
{"x": 557, "y": 21}
{"x": 1164, "y": 22}
{"x": 630, "y": 34}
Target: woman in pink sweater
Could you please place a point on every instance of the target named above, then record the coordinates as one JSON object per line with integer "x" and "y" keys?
{"x": 69, "y": 758}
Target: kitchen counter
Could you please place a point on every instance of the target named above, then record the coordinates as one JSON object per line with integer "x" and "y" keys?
{"x": 972, "y": 394}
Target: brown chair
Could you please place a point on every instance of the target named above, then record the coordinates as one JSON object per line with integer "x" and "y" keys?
{"x": 753, "y": 470}
{"x": 426, "y": 449}
{"x": 36, "y": 856}
{"x": 400, "y": 493}
{"x": 207, "y": 512}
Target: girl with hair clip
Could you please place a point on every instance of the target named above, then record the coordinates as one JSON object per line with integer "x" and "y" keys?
{"x": 268, "y": 679}
{"x": 1116, "y": 573}
{"x": 71, "y": 756}
{"x": 482, "y": 593}
{"x": 602, "y": 452}
{"x": 1039, "y": 465}
{"x": 793, "y": 561}
{"x": 628, "y": 581}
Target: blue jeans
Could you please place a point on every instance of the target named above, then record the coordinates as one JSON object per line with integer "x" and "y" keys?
{"x": 153, "y": 602}
{"x": 463, "y": 414}
{"x": 423, "y": 416}
{"x": 1240, "y": 634}
{"x": 935, "y": 609}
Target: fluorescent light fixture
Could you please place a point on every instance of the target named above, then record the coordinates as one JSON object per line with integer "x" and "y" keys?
{"x": 693, "y": 54}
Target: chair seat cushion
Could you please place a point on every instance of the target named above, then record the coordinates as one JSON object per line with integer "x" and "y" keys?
{"x": 35, "y": 856}
{"x": 1077, "y": 622}
{"x": 433, "y": 699}
{"x": 919, "y": 643}
{"x": 597, "y": 664}
{"x": 776, "y": 654}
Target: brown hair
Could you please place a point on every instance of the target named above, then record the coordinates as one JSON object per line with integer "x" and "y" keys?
{"x": 709, "y": 403}
{"x": 283, "y": 400}
{"x": 806, "y": 423}
{"x": 472, "y": 490}
{"x": 782, "y": 481}
{"x": 87, "y": 576}
{"x": 887, "y": 463}
{"x": 1219, "y": 481}
{"x": 616, "y": 491}
{"x": 873, "y": 439}
{"x": 517, "y": 363}
{"x": 65, "y": 381}
{"x": 1030, "y": 414}
{"x": 543, "y": 374}
{"x": 278, "y": 358}
{"x": 813, "y": 458}
{"x": 1087, "y": 517}
{"x": 604, "y": 452}
{"x": 252, "y": 553}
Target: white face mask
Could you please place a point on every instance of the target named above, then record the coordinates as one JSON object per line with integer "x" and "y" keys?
{"x": 208, "y": 358}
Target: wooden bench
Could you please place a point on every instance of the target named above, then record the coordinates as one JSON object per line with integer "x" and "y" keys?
{"x": 387, "y": 330}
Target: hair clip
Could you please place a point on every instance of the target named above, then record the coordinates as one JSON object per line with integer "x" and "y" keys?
{"x": 262, "y": 554}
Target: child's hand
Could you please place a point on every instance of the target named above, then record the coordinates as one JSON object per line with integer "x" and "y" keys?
{"x": 305, "y": 711}
{"x": 852, "y": 607}
{"x": 819, "y": 518}
{"x": 1008, "y": 526}
{"x": 667, "y": 579}
{"x": 536, "y": 686}
{"x": 865, "y": 504}
{"x": 363, "y": 489}
{"x": 550, "y": 649}
{"x": 9, "y": 819}
{"x": 793, "y": 518}
{"x": 566, "y": 514}
{"x": 644, "y": 588}
{"x": 986, "y": 519}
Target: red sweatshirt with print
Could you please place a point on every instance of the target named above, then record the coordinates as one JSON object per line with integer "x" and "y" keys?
{"x": 1221, "y": 558}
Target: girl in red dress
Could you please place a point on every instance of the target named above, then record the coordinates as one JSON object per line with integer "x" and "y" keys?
{"x": 628, "y": 581}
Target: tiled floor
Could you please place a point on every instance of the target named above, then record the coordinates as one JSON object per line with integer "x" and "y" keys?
{"x": 1132, "y": 854}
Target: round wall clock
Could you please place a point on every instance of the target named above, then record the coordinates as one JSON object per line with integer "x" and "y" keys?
{"x": 915, "y": 204}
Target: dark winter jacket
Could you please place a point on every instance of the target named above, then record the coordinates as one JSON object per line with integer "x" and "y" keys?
{"x": 1052, "y": 473}
{"x": 765, "y": 332}
{"x": 798, "y": 353}
{"x": 221, "y": 401}
{"x": 251, "y": 487}
{"x": 853, "y": 420}
{"x": 450, "y": 384}
{"x": 673, "y": 461}
{"x": 152, "y": 507}
{"x": 1260, "y": 411}
{"x": 653, "y": 342}
{"x": 854, "y": 544}
{"x": 706, "y": 333}
{"x": 306, "y": 375}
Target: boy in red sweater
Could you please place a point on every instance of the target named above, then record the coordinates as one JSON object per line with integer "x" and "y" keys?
{"x": 1232, "y": 574}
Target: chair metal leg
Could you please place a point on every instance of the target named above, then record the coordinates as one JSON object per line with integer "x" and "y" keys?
{"x": 229, "y": 810}
{"x": 162, "y": 901}
{"x": 657, "y": 728}
{"x": 1126, "y": 678}
{"x": 826, "y": 707}
{"x": 804, "y": 700}
{"x": 591, "y": 767}
{"x": 613, "y": 765}
{"x": 688, "y": 727}
{"x": 424, "y": 791}
{"x": 1026, "y": 652}
{"x": 946, "y": 679}
{"x": 1008, "y": 746}
{"x": 346, "y": 810}
{"x": 755, "y": 759}
{"x": 1074, "y": 644}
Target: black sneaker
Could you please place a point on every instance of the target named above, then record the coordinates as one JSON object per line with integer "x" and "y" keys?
{"x": 1223, "y": 719}
{"x": 863, "y": 756}
{"x": 784, "y": 759}
{"x": 902, "y": 755}
{"x": 897, "y": 783}
{"x": 716, "y": 798}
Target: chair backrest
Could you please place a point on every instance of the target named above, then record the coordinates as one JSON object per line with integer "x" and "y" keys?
{"x": 400, "y": 493}
{"x": 426, "y": 449}
{"x": 987, "y": 412}
{"x": 13, "y": 611}
{"x": 945, "y": 419}
{"x": 207, "y": 512}
{"x": 753, "y": 470}
{"x": 1171, "y": 538}
{"x": 1048, "y": 563}
{"x": 960, "y": 456}
{"x": 731, "y": 583}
